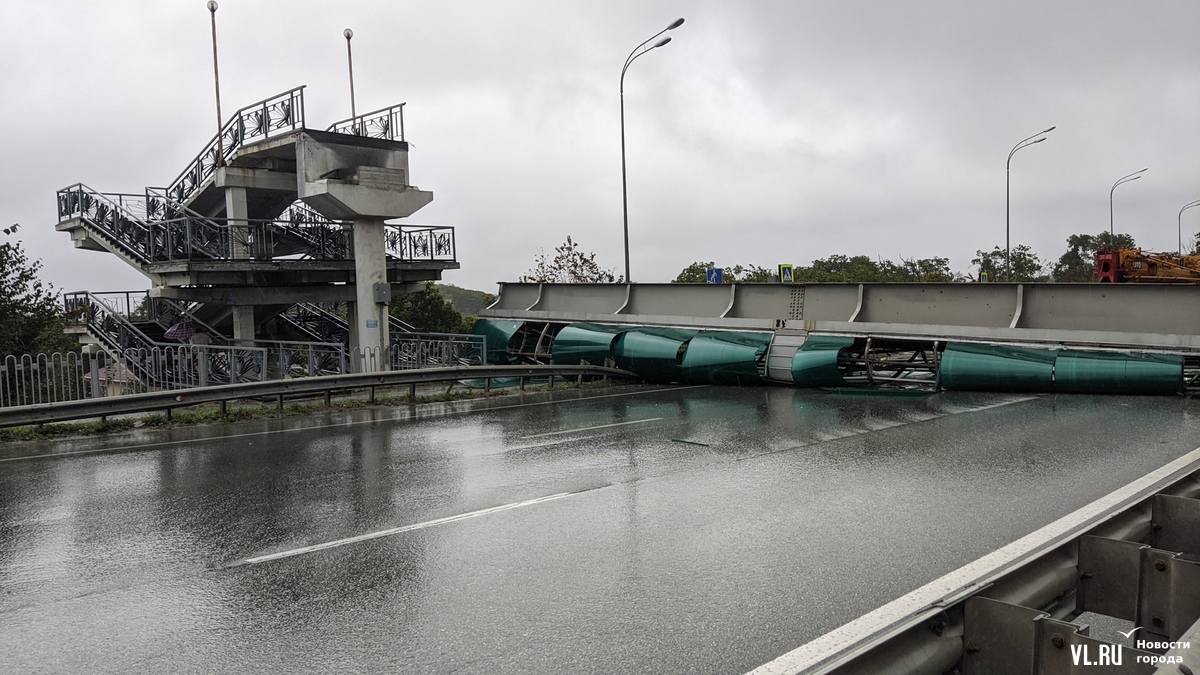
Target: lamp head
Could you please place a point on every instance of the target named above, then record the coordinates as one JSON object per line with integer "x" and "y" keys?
{"x": 212, "y": 6}
{"x": 675, "y": 24}
{"x": 348, "y": 33}
{"x": 1049, "y": 130}
{"x": 661, "y": 43}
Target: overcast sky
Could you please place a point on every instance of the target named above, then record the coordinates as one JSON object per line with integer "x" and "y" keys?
{"x": 766, "y": 132}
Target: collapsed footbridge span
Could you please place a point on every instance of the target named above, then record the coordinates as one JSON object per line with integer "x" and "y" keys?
{"x": 1038, "y": 337}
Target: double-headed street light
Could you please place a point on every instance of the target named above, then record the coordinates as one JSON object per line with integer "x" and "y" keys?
{"x": 1179, "y": 222}
{"x": 1007, "y": 172}
{"x": 638, "y": 51}
{"x": 1124, "y": 179}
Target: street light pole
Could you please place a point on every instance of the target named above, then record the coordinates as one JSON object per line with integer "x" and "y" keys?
{"x": 212, "y": 10}
{"x": 637, "y": 51}
{"x": 350, "y": 63}
{"x": 1007, "y": 210}
{"x": 1112, "y": 236}
{"x": 1179, "y": 223}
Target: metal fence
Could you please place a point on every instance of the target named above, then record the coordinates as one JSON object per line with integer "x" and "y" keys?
{"x": 32, "y": 379}
{"x": 48, "y": 378}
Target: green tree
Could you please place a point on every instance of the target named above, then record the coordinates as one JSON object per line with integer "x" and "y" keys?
{"x": 928, "y": 270}
{"x": 1079, "y": 262}
{"x": 31, "y": 317}
{"x": 428, "y": 311}
{"x": 697, "y": 273}
{"x": 569, "y": 265}
{"x": 1026, "y": 265}
{"x": 834, "y": 269}
{"x": 694, "y": 273}
{"x": 843, "y": 269}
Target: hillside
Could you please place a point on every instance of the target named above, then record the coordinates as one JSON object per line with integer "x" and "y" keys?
{"x": 465, "y": 300}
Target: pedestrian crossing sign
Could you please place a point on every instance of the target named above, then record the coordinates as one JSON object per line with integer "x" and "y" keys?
{"x": 785, "y": 274}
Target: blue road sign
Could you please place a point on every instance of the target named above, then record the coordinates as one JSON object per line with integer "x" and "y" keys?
{"x": 715, "y": 275}
{"x": 785, "y": 273}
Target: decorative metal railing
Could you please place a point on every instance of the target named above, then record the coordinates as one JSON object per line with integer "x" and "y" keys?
{"x": 110, "y": 216}
{"x": 157, "y": 364}
{"x": 419, "y": 242}
{"x": 170, "y": 232}
{"x": 326, "y": 239}
{"x": 282, "y": 113}
{"x": 429, "y": 350}
{"x": 387, "y": 123}
{"x": 423, "y": 350}
{"x": 287, "y": 359}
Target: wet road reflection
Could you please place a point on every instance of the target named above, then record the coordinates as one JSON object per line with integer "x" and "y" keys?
{"x": 693, "y": 530}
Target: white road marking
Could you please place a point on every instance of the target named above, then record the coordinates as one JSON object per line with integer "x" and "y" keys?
{"x": 1000, "y": 404}
{"x": 397, "y": 530}
{"x": 146, "y": 446}
{"x": 602, "y": 426}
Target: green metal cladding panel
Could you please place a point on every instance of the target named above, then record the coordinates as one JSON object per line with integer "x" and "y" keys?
{"x": 499, "y": 334}
{"x": 722, "y": 357}
{"x": 1117, "y": 373}
{"x": 997, "y": 368}
{"x": 652, "y": 353}
{"x": 580, "y": 342}
{"x": 815, "y": 363}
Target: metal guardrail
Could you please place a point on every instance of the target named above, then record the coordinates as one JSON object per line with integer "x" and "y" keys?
{"x": 1133, "y": 555}
{"x": 387, "y": 124}
{"x": 281, "y": 113}
{"x": 167, "y": 400}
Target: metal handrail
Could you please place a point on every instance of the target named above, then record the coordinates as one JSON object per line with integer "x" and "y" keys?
{"x": 411, "y": 243}
{"x": 256, "y": 121}
{"x": 162, "y": 364}
{"x": 382, "y": 123}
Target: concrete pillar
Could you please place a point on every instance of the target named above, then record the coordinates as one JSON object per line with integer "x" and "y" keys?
{"x": 236, "y": 214}
{"x": 243, "y": 322}
{"x": 372, "y": 292}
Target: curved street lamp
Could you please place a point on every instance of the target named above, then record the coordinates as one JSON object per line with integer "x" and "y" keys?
{"x": 1007, "y": 173}
{"x": 637, "y": 51}
{"x": 1112, "y": 237}
{"x": 1179, "y": 222}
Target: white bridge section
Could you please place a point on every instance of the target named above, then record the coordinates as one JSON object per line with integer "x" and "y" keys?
{"x": 1160, "y": 317}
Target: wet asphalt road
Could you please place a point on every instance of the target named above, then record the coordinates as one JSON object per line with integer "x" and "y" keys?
{"x": 698, "y": 530}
